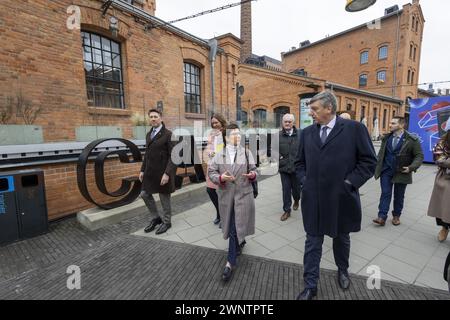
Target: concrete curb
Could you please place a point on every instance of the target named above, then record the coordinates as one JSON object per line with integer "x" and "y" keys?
{"x": 96, "y": 218}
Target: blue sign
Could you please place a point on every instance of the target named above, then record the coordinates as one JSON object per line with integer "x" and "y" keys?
{"x": 2, "y": 204}
{"x": 429, "y": 118}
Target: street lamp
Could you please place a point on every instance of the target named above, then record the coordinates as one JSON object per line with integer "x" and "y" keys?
{"x": 358, "y": 5}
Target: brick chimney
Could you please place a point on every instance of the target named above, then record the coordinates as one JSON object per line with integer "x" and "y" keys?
{"x": 148, "y": 6}
{"x": 246, "y": 30}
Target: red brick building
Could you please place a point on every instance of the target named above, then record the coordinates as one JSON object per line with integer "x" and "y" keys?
{"x": 71, "y": 75}
{"x": 382, "y": 56}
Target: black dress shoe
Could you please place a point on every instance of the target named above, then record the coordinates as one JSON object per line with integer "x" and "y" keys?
{"x": 217, "y": 221}
{"x": 226, "y": 275}
{"x": 307, "y": 294}
{"x": 163, "y": 228}
{"x": 343, "y": 280}
{"x": 152, "y": 225}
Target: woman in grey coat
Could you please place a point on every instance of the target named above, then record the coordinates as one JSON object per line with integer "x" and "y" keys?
{"x": 233, "y": 169}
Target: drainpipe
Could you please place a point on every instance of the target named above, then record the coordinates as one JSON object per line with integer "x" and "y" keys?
{"x": 212, "y": 59}
{"x": 396, "y": 56}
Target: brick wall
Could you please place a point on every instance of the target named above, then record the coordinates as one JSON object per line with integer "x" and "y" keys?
{"x": 43, "y": 59}
{"x": 338, "y": 59}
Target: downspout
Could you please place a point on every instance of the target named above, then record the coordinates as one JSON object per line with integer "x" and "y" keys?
{"x": 396, "y": 56}
{"x": 212, "y": 59}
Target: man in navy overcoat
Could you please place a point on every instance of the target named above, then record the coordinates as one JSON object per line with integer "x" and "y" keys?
{"x": 336, "y": 159}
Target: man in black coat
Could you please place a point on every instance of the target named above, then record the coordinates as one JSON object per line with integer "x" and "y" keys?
{"x": 288, "y": 148}
{"x": 158, "y": 173}
{"x": 336, "y": 158}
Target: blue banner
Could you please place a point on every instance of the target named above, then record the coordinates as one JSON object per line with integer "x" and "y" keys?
{"x": 429, "y": 119}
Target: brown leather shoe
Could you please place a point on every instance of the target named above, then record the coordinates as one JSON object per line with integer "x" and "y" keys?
{"x": 443, "y": 234}
{"x": 396, "y": 221}
{"x": 296, "y": 205}
{"x": 285, "y": 216}
{"x": 379, "y": 222}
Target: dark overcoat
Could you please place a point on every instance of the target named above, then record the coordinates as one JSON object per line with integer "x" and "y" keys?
{"x": 329, "y": 205}
{"x": 157, "y": 161}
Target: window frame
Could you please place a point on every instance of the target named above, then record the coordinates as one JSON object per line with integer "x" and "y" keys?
{"x": 192, "y": 89}
{"x": 378, "y": 77}
{"x": 365, "y": 52}
{"x": 380, "y": 51}
{"x": 361, "y": 77}
{"x": 112, "y": 50}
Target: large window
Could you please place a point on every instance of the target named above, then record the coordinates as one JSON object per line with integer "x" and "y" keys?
{"x": 364, "y": 58}
{"x": 103, "y": 71}
{"x": 383, "y": 52}
{"x": 363, "y": 80}
{"x": 192, "y": 88}
{"x": 259, "y": 118}
{"x": 381, "y": 77}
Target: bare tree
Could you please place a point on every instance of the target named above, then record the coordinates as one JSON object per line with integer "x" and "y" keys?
{"x": 23, "y": 109}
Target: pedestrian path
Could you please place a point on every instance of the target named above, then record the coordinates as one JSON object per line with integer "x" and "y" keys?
{"x": 409, "y": 253}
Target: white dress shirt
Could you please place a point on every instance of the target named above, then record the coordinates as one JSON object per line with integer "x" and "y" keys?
{"x": 329, "y": 126}
{"x": 156, "y": 130}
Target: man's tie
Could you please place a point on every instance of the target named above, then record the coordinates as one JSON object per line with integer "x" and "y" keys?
{"x": 152, "y": 136}
{"x": 324, "y": 134}
{"x": 395, "y": 142}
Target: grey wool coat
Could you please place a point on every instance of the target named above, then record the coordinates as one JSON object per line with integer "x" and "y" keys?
{"x": 238, "y": 193}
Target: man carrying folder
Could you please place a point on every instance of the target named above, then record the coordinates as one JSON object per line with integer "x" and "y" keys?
{"x": 400, "y": 155}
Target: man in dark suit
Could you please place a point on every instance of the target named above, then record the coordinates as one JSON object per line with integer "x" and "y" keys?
{"x": 158, "y": 173}
{"x": 289, "y": 142}
{"x": 336, "y": 158}
{"x": 400, "y": 155}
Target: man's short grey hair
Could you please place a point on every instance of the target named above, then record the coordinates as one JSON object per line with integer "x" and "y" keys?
{"x": 327, "y": 99}
{"x": 289, "y": 116}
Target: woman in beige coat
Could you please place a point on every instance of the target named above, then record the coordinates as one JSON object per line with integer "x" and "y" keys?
{"x": 233, "y": 169}
{"x": 439, "y": 207}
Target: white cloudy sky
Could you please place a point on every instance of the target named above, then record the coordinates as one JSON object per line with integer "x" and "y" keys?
{"x": 281, "y": 24}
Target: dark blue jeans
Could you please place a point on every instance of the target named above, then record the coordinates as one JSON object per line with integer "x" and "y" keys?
{"x": 313, "y": 254}
{"x": 386, "y": 196}
{"x": 233, "y": 241}
{"x": 291, "y": 189}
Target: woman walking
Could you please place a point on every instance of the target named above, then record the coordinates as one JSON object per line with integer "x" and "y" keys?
{"x": 215, "y": 144}
{"x": 233, "y": 170}
{"x": 439, "y": 206}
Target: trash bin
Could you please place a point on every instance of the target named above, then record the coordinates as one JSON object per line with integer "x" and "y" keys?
{"x": 9, "y": 227}
{"x": 23, "y": 208}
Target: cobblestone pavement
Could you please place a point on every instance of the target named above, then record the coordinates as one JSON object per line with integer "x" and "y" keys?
{"x": 144, "y": 268}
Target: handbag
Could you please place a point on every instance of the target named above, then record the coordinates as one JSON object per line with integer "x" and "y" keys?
{"x": 254, "y": 183}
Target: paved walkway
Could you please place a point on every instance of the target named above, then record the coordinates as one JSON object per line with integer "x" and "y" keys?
{"x": 140, "y": 268}
{"x": 409, "y": 253}
{"x": 120, "y": 262}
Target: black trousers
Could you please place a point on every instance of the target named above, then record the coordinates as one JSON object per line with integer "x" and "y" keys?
{"x": 214, "y": 199}
{"x": 291, "y": 189}
{"x": 441, "y": 223}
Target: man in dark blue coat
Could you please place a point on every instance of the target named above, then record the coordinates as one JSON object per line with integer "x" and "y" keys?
{"x": 337, "y": 157}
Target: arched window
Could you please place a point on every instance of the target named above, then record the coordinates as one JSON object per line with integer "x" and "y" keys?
{"x": 381, "y": 77}
{"x": 364, "y": 58}
{"x": 103, "y": 71}
{"x": 259, "y": 118}
{"x": 279, "y": 113}
{"x": 192, "y": 88}
{"x": 383, "y": 52}
{"x": 413, "y": 23}
{"x": 363, "y": 80}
